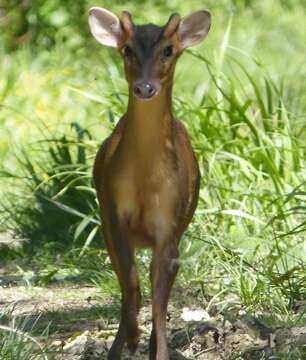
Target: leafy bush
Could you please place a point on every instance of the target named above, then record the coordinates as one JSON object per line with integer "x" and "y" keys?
{"x": 43, "y": 22}
{"x": 55, "y": 207}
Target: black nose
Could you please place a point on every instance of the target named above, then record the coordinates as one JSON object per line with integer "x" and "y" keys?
{"x": 144, "y": 90}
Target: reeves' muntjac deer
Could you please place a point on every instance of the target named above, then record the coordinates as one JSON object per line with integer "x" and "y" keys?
{"x": 146, "y": 175}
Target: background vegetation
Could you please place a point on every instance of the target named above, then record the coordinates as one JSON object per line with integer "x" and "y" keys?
{"x": 241, "y": 95}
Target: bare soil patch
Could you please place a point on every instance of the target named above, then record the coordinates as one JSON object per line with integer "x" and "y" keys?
{"x": 82, "y": 326}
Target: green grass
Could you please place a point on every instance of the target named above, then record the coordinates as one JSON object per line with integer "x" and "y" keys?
{"x": 242, "y": 97}
{"x": 16, "y": 343}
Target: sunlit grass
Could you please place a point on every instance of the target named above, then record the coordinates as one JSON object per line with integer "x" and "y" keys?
{"x": 242, "y": 97}
{"x": 17, "y": 341}
{"x": 251, "y": 207}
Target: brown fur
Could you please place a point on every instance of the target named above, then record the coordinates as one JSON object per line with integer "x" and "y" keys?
{"x": 147, "y": 182}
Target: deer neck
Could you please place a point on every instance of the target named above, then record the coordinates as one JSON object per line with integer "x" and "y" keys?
{"x": 149, "y": 123}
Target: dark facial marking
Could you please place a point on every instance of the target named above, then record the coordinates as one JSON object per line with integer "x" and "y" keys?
{"x": 148, "y": 55}
{"x": 145, "y": 39}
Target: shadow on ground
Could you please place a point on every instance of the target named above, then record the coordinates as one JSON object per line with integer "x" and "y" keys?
{"x": 82, "y": 326}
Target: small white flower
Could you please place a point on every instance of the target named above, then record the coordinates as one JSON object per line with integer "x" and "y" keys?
{"x": 227, "y": 280}
{"x": 194, "y": 315}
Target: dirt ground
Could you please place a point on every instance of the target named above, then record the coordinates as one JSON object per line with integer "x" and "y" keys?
{"x": 82, "y": 325}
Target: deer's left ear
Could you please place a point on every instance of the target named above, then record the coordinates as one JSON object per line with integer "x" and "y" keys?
{"x": 194, "y": 28}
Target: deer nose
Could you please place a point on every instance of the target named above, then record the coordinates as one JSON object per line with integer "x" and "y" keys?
{"x": 144, "y": 90}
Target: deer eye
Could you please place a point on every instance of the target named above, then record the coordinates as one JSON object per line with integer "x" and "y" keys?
{"x": 168, "y": 51}
{"x": 127, "y": 51}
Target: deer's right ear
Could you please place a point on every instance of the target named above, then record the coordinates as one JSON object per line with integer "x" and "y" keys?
{"x": 105, "y": 27}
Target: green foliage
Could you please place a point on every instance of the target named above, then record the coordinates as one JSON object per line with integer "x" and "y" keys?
{"x": 43, "y": 23}
{"x": 56, "y": 207}
{"x": 242, "y": 97}
{"x": 252, "y": 190}
{"x": 17, "y": 343}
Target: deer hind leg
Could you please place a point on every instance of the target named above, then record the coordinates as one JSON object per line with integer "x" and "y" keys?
{"x": 122, "y": 258}
{"x": 164, "y": 268}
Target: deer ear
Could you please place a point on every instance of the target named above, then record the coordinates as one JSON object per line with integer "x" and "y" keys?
{"x": 105, "y": 27}
{"x": 172, "y": 24}
{"x": 194, "y": 28}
